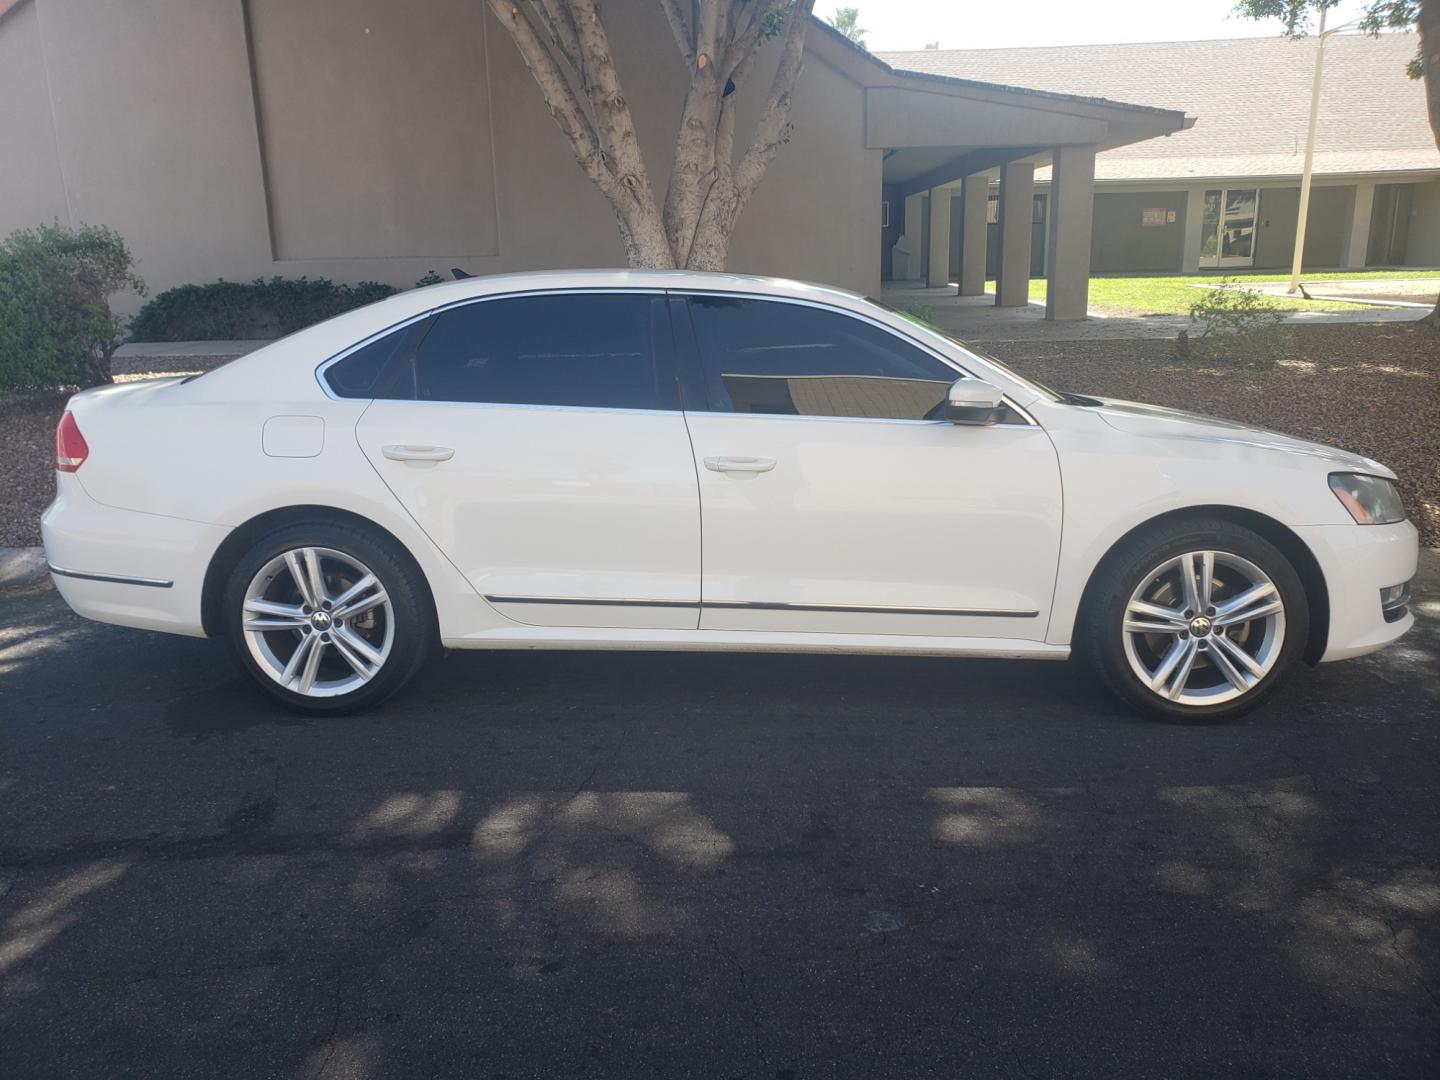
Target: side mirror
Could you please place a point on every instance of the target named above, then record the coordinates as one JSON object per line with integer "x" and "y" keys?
{"x": 974, "y": 402}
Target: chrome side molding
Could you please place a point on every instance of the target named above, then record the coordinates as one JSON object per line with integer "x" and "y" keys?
{"x": 746, "y": 605}
{"x": 116, "y": 579}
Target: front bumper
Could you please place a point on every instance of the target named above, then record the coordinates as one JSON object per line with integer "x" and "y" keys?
{"x": 1358, "y": 561}
{"x": 127, "y": 567}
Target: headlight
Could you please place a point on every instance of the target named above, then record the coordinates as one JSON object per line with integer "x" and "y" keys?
{"x": 1371, "y": 500}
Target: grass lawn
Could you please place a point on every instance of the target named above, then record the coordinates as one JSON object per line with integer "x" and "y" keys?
{"x": 1174, "y": 295}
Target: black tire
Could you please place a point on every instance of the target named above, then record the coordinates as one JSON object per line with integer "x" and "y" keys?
{"x": 409, "y": 608}
{"x": 1100, "y": 633}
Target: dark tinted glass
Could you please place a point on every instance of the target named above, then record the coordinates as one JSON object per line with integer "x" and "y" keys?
{"x": 593, "y": 350}
{"x": 762, "y": 356}
{"x": 359, "y": 373}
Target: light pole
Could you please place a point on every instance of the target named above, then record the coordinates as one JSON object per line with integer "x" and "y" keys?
{"x": 1310, "y": 148}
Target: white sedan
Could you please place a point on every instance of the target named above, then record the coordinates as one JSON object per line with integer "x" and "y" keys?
{"x": 659, "y": 460}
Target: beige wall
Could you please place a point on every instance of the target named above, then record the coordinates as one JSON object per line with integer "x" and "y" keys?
{"x": 233, "y": 139}
{"x": 31, "y": 187}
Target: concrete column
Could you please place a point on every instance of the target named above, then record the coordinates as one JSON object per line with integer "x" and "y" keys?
{"x": 905, "y": 255}
{"x": 1017, "y": 199}
{"x": 1358, "y": 242}
{"x": 1072, "y": 215}
{"x": 975, "y": 201}
{"x": 1194, "y": 219}
{"x": 937, "y": 273}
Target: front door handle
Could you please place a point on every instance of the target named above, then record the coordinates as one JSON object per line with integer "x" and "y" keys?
{"x": 418, "y": 453}
{"x": 739, "y": 464}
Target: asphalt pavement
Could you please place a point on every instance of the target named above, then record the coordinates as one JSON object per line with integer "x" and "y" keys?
{"x": 681, "y": 865}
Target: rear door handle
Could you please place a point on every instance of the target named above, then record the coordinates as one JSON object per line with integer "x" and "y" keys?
{"x": 418, "y": 453}
{"x": 739, "y": 464}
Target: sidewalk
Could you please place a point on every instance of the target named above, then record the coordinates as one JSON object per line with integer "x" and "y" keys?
{"x": 976, "y": 318}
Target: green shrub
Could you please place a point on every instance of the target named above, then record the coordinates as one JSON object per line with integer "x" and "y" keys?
{"x": 225, "y": 310}
{"x": 1239, "y": 326}
{"x": 430, "y": 278}
{"x": 56, "y": 328}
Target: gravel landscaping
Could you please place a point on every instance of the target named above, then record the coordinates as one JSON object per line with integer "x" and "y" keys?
{"x": 1370, "y": 388}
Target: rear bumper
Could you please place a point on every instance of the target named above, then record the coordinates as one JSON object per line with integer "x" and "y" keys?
{"x": 126, "y": 567}
{"x": 1358, "y": 561}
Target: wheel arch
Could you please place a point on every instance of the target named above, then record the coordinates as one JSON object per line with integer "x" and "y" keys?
{"x": 1295, "y": 549}
{"x": 241, "y": 538}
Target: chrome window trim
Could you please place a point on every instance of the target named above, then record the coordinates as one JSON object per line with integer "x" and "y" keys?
{"x": 513, "y": 405}
{"x": 874, "y": 420}
{"x": 325, "y": 365}
{"x": 117, "y": 579}
{"x": 759, "y": 605}
{"x": 923, "y": 346}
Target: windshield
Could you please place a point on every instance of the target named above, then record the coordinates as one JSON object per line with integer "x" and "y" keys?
{"x": 929, "y": 327}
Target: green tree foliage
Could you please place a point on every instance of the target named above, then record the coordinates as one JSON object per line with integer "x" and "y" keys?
{"x": 56, "y": 328}
{"x": 847, "y": 21}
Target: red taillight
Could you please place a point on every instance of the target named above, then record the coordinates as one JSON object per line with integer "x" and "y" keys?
{"x": 70, "y": 448}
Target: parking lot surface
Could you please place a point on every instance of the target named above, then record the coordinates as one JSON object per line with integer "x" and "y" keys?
{"x": 630, "y": 865}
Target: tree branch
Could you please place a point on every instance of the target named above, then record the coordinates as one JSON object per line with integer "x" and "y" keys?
{"x": 774, "y": 125}
{"x": 559, "y": 23}
{"x": 746, "y": 37}
{"x": 559, "y": 98}
{"x": 680, "y": 27}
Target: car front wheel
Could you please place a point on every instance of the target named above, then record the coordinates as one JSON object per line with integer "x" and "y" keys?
{"x": 327, "y": 619}
{"x": 1196, "y": 620}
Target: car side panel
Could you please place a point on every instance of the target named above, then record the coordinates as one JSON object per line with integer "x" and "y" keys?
{"x": 1115, "y": 483}
{"x": 182, "y": 454}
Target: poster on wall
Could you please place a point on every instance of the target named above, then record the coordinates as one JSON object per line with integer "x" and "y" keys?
{"x": 1153, "y": 216}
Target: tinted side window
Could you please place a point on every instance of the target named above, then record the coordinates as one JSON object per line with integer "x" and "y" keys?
{"x": 360, "y": 373}
{"x": 595, "y": 350}
{"x": 762, "y": 356}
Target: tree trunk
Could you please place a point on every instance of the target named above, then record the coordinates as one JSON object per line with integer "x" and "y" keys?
{"x": 564, "y": 44}
{"x": 1429, "y": 23}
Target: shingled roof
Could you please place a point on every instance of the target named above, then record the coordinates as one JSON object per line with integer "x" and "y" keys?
{"x": 1251, "y": 97}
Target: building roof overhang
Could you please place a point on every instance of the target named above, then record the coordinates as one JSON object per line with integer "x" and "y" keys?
{"x": 935, "y": 129}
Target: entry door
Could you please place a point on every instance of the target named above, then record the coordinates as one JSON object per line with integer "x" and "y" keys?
{"x": 1227, "y": 229}
{"x": 539, "y": 443}
{"x": 831, "y": 504}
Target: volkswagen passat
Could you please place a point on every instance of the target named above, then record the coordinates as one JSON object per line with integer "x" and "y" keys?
{"x": 653, "y": 460}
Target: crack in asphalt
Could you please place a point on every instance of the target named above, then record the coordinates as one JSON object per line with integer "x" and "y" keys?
{"x": 757, "y": 1024}
{"x": 334, "y": 1023}
{"x": 1408, "y": 964}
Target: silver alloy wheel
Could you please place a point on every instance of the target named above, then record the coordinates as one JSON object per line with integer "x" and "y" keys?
{"x": 318, "y": 622}
{"x": 1204, "y": 628}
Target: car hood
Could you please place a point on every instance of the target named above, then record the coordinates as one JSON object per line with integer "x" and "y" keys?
{"x": 1157, "y": 422}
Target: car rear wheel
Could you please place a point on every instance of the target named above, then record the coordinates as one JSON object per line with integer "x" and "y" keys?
{"x": 1196, "y": 620}
{"x": 327, "y": 619}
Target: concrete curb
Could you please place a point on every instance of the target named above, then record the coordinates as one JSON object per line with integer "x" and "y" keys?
{"x": 22, "y": 567}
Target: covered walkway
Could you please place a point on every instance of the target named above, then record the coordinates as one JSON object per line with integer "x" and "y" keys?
{"x": 948, "y": 142}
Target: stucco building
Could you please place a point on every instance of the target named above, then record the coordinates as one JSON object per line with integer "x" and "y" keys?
{"x": 1224, "y": 194}
{"x": 370, "y": 139}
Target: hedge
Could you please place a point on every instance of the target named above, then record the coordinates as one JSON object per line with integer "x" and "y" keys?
{"x": 225, "y": 310}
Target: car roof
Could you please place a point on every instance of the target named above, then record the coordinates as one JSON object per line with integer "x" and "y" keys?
{"x": 628, "y": 278}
